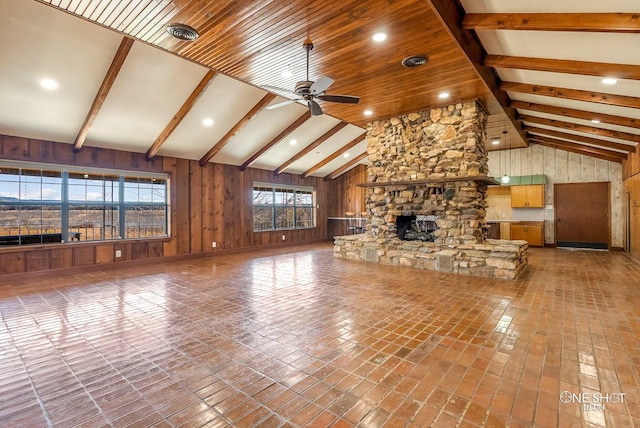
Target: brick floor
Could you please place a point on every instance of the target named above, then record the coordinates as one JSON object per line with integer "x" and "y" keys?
{"x": 293, "y": 337}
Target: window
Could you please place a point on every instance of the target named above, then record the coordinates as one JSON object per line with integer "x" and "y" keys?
{"x": 282, "y": 207}
{"x": 48, "y": 205}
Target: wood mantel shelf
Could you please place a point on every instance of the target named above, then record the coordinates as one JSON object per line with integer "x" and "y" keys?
{"x": 480, "y": 178}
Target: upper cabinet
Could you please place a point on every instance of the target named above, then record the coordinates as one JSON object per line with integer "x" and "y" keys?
{"x": 527, "y": 196}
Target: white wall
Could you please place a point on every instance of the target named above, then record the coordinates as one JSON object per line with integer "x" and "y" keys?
{"x": 562, "y": 167}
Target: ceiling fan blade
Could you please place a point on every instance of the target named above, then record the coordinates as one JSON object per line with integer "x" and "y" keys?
{"x": 282, "y": 104}
{"x": 321, "y": 85}
{"x": 347, "y": 99}
{"x": 314, "y": 107}
{"x": 279, "y": 89}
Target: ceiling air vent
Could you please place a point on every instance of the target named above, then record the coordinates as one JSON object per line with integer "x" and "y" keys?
{"x": 183, "y": 32}
{"x": 414, "y": 61}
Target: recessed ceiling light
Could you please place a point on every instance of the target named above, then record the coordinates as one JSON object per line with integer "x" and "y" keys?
{"x": 293, "y": 142}
{"x": 49, "y": 84}
{"x": 609, "y": 81}
{"x": 207, "y": 121}
{"x": 495, "y": 141}
{"x": 346, "y": 155}
{"x": 287, "y": 74}
{"x": 379, "y": 37}
{"x": 443, "y": 95}
{"x": 368, "y": 112}
{"x": 595, "y": 121}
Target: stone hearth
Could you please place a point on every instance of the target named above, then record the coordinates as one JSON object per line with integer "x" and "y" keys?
{"x": 432, "y": 163}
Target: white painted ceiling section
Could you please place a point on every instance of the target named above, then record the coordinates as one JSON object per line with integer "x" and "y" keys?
{"x": 37, "y": 41}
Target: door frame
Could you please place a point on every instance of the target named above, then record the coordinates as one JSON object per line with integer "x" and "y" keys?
{"x": 555, "y": 211}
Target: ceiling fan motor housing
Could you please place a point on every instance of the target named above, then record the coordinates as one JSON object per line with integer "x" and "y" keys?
{"x": 302, "y": 87}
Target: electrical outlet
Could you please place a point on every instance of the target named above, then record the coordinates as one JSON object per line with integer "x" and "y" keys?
{"x": 284, "y": 237}
{"x": 118, "y": 253}
{"x": 214, "y": 244}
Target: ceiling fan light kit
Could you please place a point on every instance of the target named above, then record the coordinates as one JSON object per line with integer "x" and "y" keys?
{"x": 309, "y": 91}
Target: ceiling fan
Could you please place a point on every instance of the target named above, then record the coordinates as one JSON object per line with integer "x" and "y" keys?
{"x": 309, "y": 91}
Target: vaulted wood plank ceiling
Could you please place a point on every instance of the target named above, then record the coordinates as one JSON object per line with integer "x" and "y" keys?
{"x": 525, "y": 61}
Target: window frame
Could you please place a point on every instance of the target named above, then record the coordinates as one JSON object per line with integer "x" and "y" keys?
{"x": 287, "y": 203}
{"x": 117, "y": 203}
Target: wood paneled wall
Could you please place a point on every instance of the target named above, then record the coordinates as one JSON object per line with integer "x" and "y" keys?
{"x": 211, "y": 203}
{"x": 345, "y": 196}
{"x": 631, "y": 169}
{"x": 561, "y": 166}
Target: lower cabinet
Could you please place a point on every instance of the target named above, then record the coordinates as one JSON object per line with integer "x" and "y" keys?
{"x": 530, "y": 231}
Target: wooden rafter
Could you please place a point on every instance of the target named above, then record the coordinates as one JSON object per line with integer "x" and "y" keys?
{"x": 107, "y": 83}
{"x": 347, "y": 166}
{"x": 572, "y": 94}
{"x": 177, "y": 118}
{"x": 220, "y": 144}
{"x": 592, "y": 22}
{"x": 577, "y": 148}
{"x": 578, "y": 114}
{"x": 311, "y": 147}
{"x": 451, "y": 14}
{"x": 635, "y": 138}
{"x": 334, "y": 155}
{"x": 580, "y": 139}
{"x": 275, "y": 140}
{"x": 602, "y": 69}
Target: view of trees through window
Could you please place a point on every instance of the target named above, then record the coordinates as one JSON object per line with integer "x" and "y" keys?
{"x": 282, "y": 207}
{"x": 40, "y": 206}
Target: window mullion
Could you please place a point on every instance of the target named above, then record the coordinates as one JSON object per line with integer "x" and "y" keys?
{"x": 121, "y": 208}
{"x": 65, "y": 206}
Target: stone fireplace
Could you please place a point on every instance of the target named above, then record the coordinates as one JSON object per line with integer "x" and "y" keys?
{"x": 429, "y": 170}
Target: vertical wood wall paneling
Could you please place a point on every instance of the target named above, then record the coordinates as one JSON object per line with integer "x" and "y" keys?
{"x": 231, "y": 204}
{"x": 38, "y": 260}
{"x": 105, "y": 253}
{"x": 218, "y": 204}
{"x": 196, "y": 214}
{"x": 208, "y": 206}
{"x": 561, "y": 166}
{"x": 183, "y": 209}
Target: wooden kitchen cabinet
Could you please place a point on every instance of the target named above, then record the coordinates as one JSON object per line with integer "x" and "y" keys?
{"x": 528, "y": 196}
{"x": 530, "y": 231}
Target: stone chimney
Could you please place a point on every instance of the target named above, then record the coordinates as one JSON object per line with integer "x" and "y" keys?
{"x": 419, "y": 165}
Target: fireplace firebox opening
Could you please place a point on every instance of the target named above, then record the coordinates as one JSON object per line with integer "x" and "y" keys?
{"x": 416, "y": 227}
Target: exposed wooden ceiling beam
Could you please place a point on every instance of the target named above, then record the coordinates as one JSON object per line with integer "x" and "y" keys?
{"x": 275, "y": 140}
{"x": 181, "y": 113}
{"x": 311, "y": 147}
{"x": 572, "y": 94}
{"x": 576, "y": 148}
{"x": 592, "y": 22}
{"x": 580, "y": 139}
{"x": 107, "y": 83}
{"x": 602, "y": 69}
{"x": 334, "y": 155}
{"x": 635, "y": 138}
{"x": 451, "y": 15}
{"x": 347, "y": 166}
{"x": 220, "y": 144}
{"x": 184, "y": 110}
{"x": 578, "y": 114}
